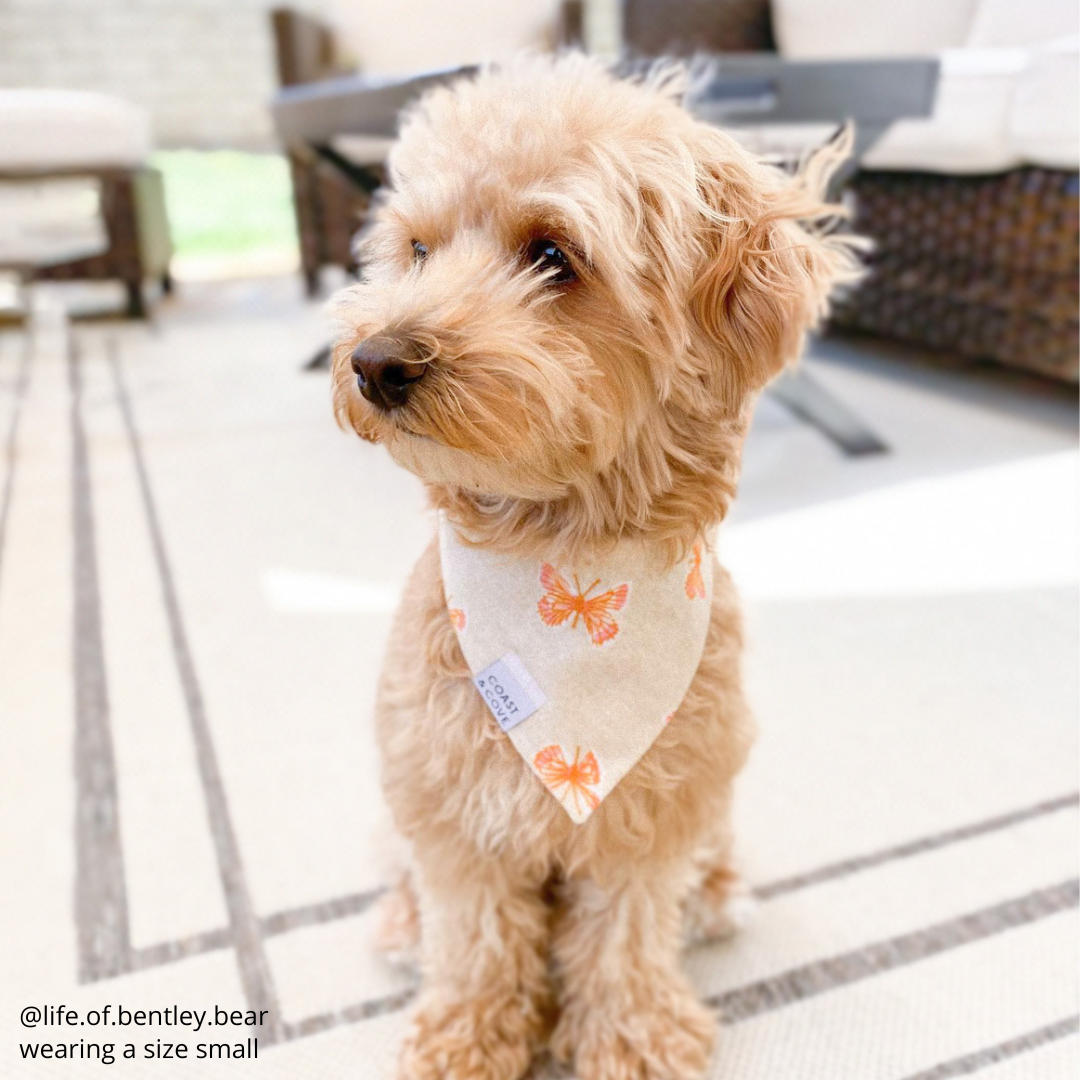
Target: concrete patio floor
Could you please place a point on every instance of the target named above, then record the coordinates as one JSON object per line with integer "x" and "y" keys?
{"x": 197, "y": 572}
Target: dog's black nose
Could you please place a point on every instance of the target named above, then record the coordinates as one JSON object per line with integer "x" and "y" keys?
{"x": 387, "y": 367}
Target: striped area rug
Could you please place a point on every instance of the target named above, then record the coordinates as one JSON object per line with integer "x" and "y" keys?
{"x": 196, "y": 577}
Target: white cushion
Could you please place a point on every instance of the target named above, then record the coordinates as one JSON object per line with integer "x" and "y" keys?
{"x": 396, "y": 37}
{"x": 70, "y": 129}
{"x": 832, "y": 29}
{"x": 969, "y": 129}
{"x": 1009, "y": 23}
{"x": 995, "y": 109}
{"x": 1009, "y": 91}
{"x": 363, "y": 149}
{"x": 1045, "y": 117}
{"x": 50, "y": 221}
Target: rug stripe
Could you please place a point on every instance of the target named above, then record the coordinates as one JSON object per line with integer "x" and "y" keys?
{"x": 255, "y": 972}
{"x": 20, "y": 386}
{"x": 169, "y": 952}
{"x": 914, "y": 847}
{"x": 101, "y": 913}
{"x": 834, "y": 972}
{"x": 994, "y": 1055}
{"x": 351, "y": 1014}
{"x": 312, "y": 914}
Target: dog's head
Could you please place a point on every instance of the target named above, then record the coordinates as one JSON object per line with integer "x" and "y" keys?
{"x": 571, "y": 295}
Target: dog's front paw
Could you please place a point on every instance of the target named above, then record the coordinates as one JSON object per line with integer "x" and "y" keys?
{"x": 397, "y": 925}
{"x": 664, "y": 1036}
{"x": 488, "y": 1039}
{"x": 718, "y": 908}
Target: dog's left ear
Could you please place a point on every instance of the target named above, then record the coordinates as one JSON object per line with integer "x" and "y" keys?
{"x": 768, "y": 259}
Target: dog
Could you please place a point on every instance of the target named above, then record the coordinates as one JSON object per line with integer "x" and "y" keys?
{"x": 572, "y": 294}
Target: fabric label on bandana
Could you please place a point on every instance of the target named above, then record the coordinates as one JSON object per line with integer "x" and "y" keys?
{"x": 509, "y": 691}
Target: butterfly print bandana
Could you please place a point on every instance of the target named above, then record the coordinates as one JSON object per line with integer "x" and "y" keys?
{"x": 581, "y": 665}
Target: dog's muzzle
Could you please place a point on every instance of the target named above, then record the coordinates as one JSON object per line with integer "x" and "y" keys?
{"x": 387, "y": 367}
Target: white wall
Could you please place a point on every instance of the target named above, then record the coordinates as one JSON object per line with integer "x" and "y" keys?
{"x": 205, "y": 68}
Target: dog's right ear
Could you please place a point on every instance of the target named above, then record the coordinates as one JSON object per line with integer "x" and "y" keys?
{"x": 767, "y": 259}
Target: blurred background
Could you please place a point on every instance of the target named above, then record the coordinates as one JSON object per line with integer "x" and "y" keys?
{"x": 197, "y": 570}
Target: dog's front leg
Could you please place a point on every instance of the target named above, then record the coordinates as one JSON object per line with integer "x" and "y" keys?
{"x": 628, "y": 1013}
{"x": 481, "y": 1011}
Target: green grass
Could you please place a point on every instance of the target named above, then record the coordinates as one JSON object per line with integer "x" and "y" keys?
{"x": 225, "y": 202}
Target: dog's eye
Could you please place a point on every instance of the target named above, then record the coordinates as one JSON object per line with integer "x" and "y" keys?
{"x": 547, "y": 256}
{"x": 419, "y": 251}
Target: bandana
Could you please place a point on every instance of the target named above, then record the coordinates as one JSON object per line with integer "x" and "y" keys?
{"x": 582, "y": 665}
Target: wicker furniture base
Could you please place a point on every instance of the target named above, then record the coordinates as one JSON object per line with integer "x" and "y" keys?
{"x": 985, "y": 266}
{"x": 329, "y": 210}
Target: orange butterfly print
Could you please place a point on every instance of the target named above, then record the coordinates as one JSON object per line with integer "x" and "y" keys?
{"x": 576, "y": 776}
{"x": 457, "y": 617}
{"x": 695, "y": 581}
{"x": 560, "y": 603}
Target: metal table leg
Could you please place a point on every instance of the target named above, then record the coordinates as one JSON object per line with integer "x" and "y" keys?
{"x": 810, "y": 401}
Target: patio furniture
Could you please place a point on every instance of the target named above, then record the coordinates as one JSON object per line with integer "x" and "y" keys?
{"x": 690, "y": 27}
{"x": 56, "y": 139}
{"x": 983, "y": 266}
{"x": 974, "y": 209}
{"x": 330, "y": 203}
